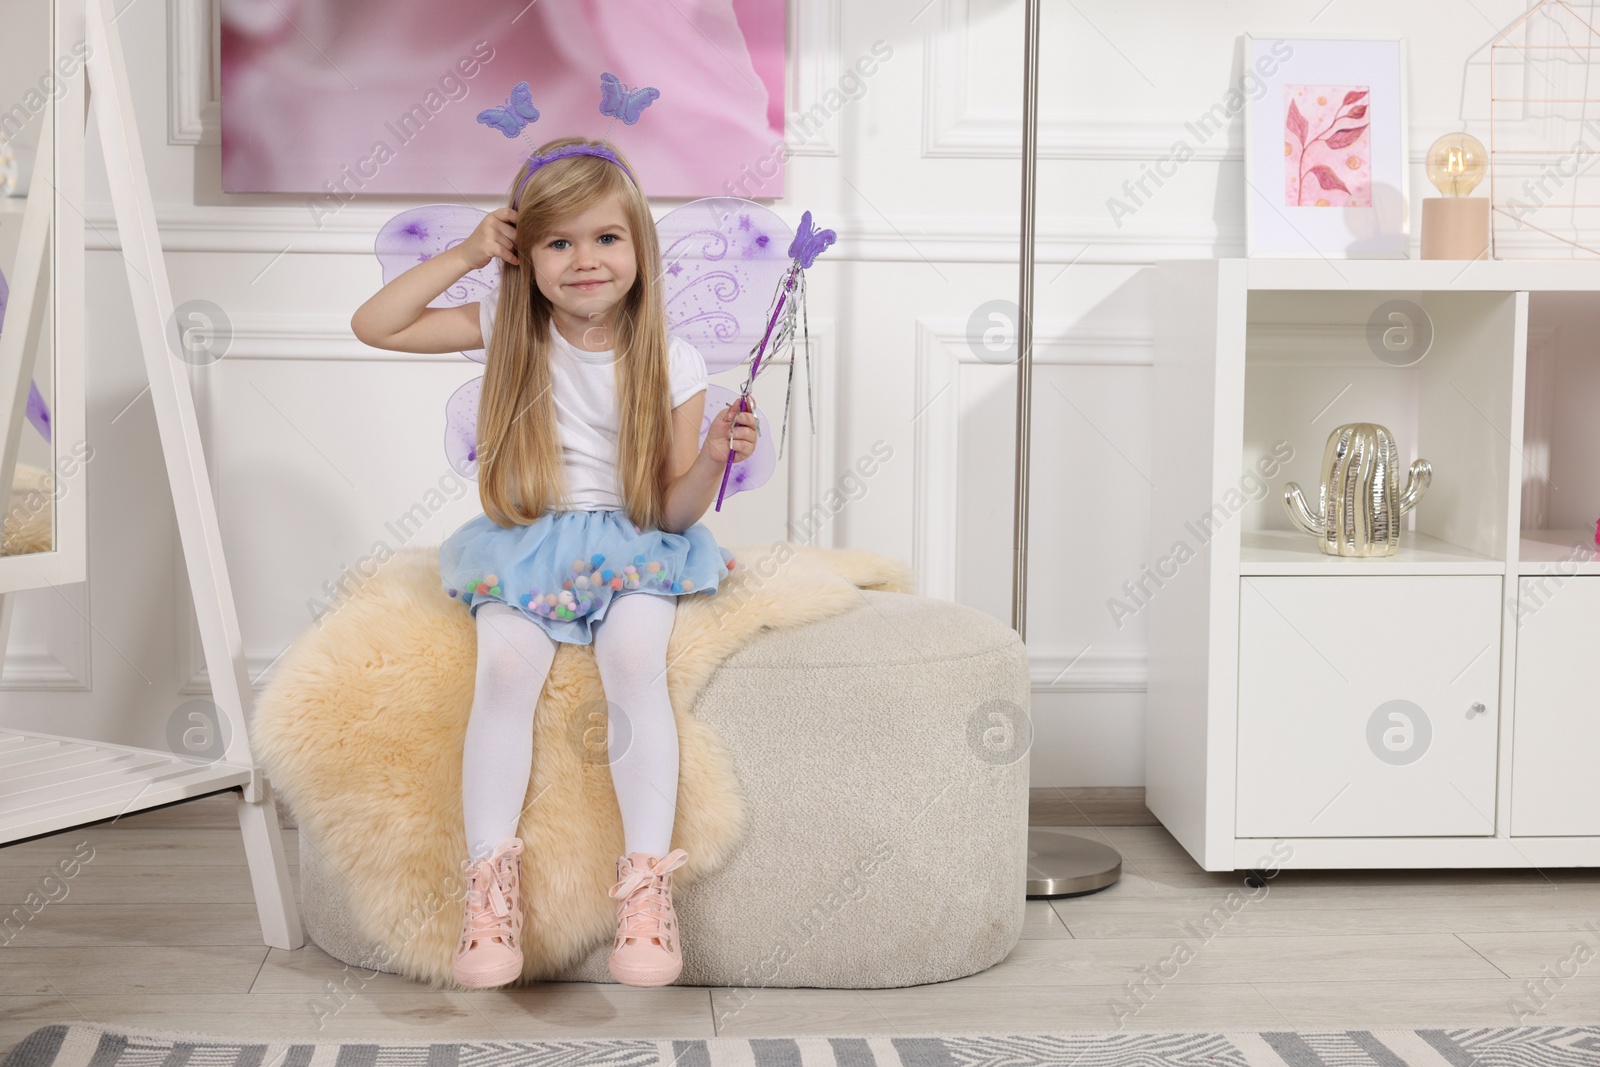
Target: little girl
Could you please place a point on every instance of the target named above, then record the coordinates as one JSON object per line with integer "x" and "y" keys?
{"x": 593, "y": 482}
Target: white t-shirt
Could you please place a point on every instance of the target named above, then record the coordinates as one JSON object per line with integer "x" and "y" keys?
{"x": 583, "y": 385}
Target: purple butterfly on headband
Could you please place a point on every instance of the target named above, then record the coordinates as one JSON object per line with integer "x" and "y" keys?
{"x": 623, "y": 103}
{"x": 516, "y": 113}
{"x": 809, "y": 242}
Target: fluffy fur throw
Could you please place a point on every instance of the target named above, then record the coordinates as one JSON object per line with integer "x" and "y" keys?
{"x": 362, "y": 724}
{"x": 29, "y": 524}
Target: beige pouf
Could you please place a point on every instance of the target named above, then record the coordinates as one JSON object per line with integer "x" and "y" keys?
{"x": 887, "y": 789}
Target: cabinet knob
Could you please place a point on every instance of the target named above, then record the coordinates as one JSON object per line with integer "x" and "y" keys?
{"x": 1476, "y": 709}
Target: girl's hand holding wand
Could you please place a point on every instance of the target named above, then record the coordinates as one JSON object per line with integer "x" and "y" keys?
{"x": 731, "y": 431}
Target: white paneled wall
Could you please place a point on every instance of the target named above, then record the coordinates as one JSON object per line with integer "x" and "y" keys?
{"x": 320, "y": 446}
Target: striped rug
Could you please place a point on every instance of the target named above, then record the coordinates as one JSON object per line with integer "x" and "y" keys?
{"x": 86, "y": 1045}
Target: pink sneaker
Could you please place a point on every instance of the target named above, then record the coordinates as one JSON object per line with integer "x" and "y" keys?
{"x": 490, "y": 950}
{"x": 647, "y": 951}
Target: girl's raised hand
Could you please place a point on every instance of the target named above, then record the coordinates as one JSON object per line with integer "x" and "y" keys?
{"x": 495, "y": 237}
{"x": 727, "y": 435}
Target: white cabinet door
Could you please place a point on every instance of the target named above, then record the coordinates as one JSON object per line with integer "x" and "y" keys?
{"x": 1368, "y": 705}
{"x": 1555, "y": 745}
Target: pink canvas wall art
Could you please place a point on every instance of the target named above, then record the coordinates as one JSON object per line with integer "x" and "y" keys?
{"x": 1327, "y": 151}
{"x": 337, "y": 98}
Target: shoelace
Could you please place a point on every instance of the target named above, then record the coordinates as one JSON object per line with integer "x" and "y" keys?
{"x": 488, "y": 911}
{"x": 646, "y": 901}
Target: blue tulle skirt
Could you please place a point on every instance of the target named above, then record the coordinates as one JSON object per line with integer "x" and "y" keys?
{"x": 565, "y": 568}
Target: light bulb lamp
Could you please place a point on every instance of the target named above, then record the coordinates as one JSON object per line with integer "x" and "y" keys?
{"x": 1060, "y": 862}
{"x": 1455, "y": 225}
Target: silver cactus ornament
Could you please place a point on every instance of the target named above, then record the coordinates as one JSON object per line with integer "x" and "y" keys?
{"x": 1361, "y": 500}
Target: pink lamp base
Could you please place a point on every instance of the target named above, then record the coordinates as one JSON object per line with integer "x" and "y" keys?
{"x": 1455, "y": 228}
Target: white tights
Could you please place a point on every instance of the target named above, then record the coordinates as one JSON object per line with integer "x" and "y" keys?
{"x": 514, "y": 658}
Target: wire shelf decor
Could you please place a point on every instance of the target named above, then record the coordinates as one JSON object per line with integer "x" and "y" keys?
{"x": 1544, "y": 135}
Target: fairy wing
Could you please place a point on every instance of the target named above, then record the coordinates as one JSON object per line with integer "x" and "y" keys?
{"x": 418, "y": 234}
{"x": 461, "y": 428}
{"x": 721, "y": 259}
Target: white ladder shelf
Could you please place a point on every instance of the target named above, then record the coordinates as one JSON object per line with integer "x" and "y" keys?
{"x": 48, "y": 783}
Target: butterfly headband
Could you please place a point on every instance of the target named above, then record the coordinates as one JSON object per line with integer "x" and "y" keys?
{"x": 518, "y": 112}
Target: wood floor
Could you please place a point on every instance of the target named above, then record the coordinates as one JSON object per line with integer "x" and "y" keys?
{"x": 159, "y": 932}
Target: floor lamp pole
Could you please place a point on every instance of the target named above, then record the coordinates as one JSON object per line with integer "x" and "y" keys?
{"x": 1060, "y": 864}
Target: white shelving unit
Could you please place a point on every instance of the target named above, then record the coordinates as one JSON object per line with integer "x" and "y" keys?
{"x": 1435, "y": 708}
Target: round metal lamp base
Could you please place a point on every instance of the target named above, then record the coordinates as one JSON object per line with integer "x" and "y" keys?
{"x": 1064, "y": 864}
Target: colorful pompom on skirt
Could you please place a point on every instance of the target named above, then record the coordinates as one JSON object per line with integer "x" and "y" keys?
{"x": 565, "y": 568}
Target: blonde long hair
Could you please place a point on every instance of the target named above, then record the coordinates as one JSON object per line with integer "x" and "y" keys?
{"x": 519, "y": 452}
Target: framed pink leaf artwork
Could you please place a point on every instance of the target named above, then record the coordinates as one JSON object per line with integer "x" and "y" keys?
{"x": 1327, "y": 150}
{"x": 1325, "y": 127}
